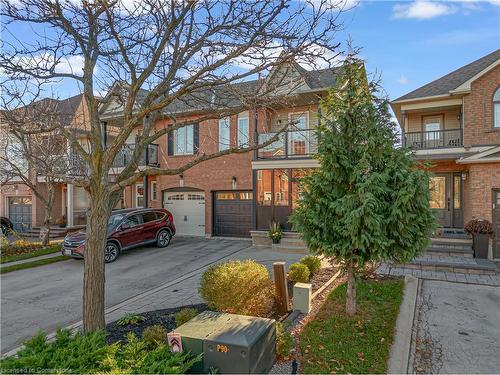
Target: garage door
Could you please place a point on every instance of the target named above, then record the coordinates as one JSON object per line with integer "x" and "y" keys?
{"x": 188, "y": 209}
{"x": 20, "y": 213}
{"x": 233, "y": 213}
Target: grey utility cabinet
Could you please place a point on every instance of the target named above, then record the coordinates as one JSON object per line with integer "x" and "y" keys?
{"x": 233, "y": 344}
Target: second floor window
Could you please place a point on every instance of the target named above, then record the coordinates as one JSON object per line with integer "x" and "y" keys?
{"x": 243, "y": 130}
{"x": 224, "y": 134}
{"x": 496, "y": 109}
{"x": 183, "y": 140}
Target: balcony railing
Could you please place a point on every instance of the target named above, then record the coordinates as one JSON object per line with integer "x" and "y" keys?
{"x": 434, "y": 139}
{"x": 124, "y": 157}
{"x": 290, "y": 144}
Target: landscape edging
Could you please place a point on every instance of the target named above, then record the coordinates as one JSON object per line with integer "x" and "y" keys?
{"x": 399, "y": 355}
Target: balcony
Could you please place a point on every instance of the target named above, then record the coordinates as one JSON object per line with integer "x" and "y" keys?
{"x": 290, "y": 144}
{"x": 433, "y": 139}
{"x": 124, "y": 157}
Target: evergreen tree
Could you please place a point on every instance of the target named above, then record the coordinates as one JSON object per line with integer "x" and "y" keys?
{"x": 367, "y": 201}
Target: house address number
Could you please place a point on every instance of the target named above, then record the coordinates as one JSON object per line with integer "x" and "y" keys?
{"x": 222, "y": 348}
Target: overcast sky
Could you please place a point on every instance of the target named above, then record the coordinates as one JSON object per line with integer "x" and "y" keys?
{"x": 409, "y": 43}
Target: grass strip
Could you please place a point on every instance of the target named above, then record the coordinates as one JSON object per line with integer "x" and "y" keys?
{"x": 32, "y": 254}
{"x": 336, "y": 343}
{"x": 35, "y": 263}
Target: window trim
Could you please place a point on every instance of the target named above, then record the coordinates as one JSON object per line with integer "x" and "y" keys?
{"x": 493, "y": 104}
{"x": 154, "y": 190}
{"x": 244, "y": 116}
{"x": 224, "y": 146}
{"x": 136, "y": 195}
{"x": 174, "y": 141}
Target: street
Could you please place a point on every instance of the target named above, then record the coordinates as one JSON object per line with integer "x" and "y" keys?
{"x": 50, "y": 296}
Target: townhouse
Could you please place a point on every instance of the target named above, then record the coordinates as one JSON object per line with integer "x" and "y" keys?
{"x": 237, "y": 193}
{"x": 17, "y": 200}
{"x": 453, "y": 124}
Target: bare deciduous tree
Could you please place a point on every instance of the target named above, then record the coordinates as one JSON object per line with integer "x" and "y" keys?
{"x": 160, "y": 53}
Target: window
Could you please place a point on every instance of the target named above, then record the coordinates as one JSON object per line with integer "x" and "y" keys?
{"x": 264, "y": 187}
{"x": 496, "y": 109}
{"x": 139, "y": 195}
{"x": 149, "y": 216}
{"x": 243, "y": 130}
{"x": 226, "y": 196}
{"x": 196, "y": 197}
{"x": 184, "y": 140}
{"x": 176, "y": 197}
{"x": 154, "y": 191}
{"x": 437, "y": 186}
{"x": 224, "y": 134}
{"x": 432, "y": 127}
{"x": 133, "y": 220}
{"x": 281, "y": 188}
{"x": 299, "y": 138}
{"x": 246, "y": 195}
{"x": 457, "y": 192}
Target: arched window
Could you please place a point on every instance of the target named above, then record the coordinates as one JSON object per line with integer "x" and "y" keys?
{"x": 496, "y": 109}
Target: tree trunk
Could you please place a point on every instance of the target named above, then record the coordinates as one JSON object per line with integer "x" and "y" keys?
{"x": 48, "y": 214}
{"x": 94, "y": 277}
{"x": 350, "y": 304}
{"x": 101, "y": 204}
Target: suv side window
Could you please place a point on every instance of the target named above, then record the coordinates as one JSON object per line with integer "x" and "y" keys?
{"x": 133, "y": 220}
{"x": 149, "y": 216}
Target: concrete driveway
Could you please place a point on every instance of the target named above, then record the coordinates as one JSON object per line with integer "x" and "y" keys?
{"x": 50, "y": 296}
{"x": 457, "y": 329}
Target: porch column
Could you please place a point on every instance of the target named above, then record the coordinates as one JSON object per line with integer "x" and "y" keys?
{"x": 403, "y": 125}
{"x": 69, "y": 206}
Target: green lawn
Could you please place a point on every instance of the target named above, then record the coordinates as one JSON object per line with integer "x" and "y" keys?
{"x": 31, "y": 253}
{"x": 35, "y": 263}
{"x": 336, "y": 343}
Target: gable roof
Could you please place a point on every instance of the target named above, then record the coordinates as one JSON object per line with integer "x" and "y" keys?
{"x": 230, "y": 95}
{"x": 455, "y": 79}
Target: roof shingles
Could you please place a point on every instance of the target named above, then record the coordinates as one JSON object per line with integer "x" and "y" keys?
{"x": 451, "y": 81}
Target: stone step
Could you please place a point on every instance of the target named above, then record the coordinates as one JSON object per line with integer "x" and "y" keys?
{"x": 449, "y": 252}
{"x": 457, "y": 241}
{"x": 454, "y": 264}
{"x": 296, "y": 242}
{"x": 452, "y": 246}
{"x": 279, "y": 247}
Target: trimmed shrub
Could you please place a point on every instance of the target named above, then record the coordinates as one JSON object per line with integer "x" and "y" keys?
{"x": 88, "y": 353}
{"x": 312, "y": 262}
{"x": 130, "y": 319}
{"x": 155, "y": 336}
{"x": 298, "y": 273}
{"x": 284, "y": 341}
{"x": 238, "y": 287}
{"x": 184, "y": 316}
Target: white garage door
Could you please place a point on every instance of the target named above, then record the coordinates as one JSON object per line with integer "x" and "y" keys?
{"x": 188, "y": 209}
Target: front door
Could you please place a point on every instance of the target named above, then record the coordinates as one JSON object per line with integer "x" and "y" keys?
{"x": 440, "y": 198}
{"x": 446, "y": 199}
{"x": 496, "y": 223}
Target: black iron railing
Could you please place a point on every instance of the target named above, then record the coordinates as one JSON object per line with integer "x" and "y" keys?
{"x": 149, "y": 157}
{"x": 434, "y": 139}
{"x": 290, "y": 144}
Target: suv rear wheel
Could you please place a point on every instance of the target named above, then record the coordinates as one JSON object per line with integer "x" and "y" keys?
{"x": 111, "y": 252}
{"x": 163, "y": 238}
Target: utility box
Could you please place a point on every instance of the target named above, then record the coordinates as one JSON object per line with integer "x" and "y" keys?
{"x": 302, "y": 297}
{"x": 232, "y": 344}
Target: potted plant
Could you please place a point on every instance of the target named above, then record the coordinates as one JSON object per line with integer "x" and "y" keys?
{"x": 480, "y": 230}
{"x": 275, "y": 232}
{"x": 61, "y": 221}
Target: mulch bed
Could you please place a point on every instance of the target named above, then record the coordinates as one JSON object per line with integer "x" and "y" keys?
{"x": 321, "y": 277}
{"x": 164, "y": 317}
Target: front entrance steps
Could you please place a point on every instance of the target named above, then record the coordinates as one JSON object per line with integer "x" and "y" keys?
{"x": 450, "y": 247}
{"x": 290, "y": 242}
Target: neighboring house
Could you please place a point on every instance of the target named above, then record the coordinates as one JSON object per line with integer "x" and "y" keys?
{"x": 454, "y": 124}
{"x": 234, "y": 194}
{"x": 19, "y": 203}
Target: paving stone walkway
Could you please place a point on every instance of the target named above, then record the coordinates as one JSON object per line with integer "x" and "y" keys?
{"x": 441, "y": 263}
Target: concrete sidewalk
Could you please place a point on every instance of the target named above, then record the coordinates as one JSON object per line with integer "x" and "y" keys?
{"x": 456, "y": 329}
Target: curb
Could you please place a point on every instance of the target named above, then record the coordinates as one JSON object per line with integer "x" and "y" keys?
{"x": 399, "y": 355}
{"x": 28, "y": 260}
